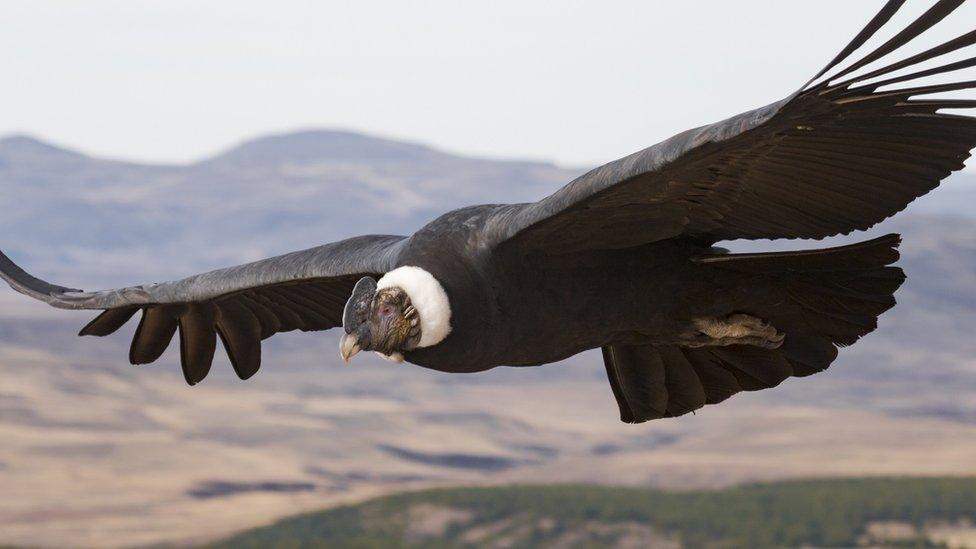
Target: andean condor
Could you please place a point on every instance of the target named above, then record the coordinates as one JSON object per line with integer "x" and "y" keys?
{"x": 621, "y": 258}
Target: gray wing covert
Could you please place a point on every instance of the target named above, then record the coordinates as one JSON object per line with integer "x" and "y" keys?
{"x": 241, "y": 305}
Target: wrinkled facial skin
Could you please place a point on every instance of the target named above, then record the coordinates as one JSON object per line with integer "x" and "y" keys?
{"x": 393, "y": 323}
{"x": 383, "y": 321}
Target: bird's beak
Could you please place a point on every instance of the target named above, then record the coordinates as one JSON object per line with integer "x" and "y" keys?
{"x": 348, "y": 346}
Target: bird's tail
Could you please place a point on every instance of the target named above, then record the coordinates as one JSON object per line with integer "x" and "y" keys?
{"x": 835, "y": 293}
{"x": 820, "y": 300}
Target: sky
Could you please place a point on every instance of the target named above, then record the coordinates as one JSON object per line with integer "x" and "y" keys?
{"x": 577, "y": 83}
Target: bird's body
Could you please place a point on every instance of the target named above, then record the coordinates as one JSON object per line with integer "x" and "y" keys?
{"x": 622, "y": 258}
{"x": 573, "y": 302}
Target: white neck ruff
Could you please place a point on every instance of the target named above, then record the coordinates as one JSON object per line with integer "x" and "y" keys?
{"x": 427, "y": 296}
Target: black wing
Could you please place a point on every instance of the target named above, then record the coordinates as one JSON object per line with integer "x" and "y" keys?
{"x": 841, "y": 154}
{"x": 242, "y": 305}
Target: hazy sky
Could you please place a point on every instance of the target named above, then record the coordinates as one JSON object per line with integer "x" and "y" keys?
{"x": 575, "y": 82}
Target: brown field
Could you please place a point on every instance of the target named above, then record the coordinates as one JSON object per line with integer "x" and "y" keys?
{"x": 99, "y": 453}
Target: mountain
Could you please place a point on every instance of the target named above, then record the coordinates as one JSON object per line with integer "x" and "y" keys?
{"x": 93, "y": 222}
{"x": 60, "y": 210}
{"x": 312, "y": 146}
{"x": 100, "y": 453}
{"x": 25, "y": 150}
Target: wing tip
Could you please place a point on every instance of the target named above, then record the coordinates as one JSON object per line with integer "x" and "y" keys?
{"x": 931, "y": 17}
{"x": 29, "y": 285}
{"x": 108, "y": 322}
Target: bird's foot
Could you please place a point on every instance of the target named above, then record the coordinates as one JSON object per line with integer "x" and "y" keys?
{"x": 737, "y": 329}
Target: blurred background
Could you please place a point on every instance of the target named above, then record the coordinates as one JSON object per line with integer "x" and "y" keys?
{"x": 146, "y": 141}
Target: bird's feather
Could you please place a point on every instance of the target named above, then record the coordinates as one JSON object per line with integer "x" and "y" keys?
{"x": 831, "y": 158}
{"x": 805, "y": 294}
{"x": 299, "y": 291}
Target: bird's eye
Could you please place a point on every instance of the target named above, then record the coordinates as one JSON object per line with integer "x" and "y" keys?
{"x": 386, "y": 310}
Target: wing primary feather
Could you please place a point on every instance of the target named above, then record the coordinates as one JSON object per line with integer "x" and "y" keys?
{"x": 858, "y": 94}
{"x": 198, "y": 341}
{"x": 155, "y": 331}
{"x": 943, "y": 103}
{"x": 878, "y": 21}
{"x": 951, "y": 67}
{"x": 240, "y": 333}
{"x": 963, "y": 41}
{"x": 108, "y": 322}
{"x": 927, "y": 20}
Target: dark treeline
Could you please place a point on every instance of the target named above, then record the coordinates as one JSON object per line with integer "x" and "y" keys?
{"x": 823, "y": 513}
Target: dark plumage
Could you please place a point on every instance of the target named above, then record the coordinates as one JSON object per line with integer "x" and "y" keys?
{"x": 619, "y": 259}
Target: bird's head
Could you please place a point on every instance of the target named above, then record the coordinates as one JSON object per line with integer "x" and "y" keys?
{"x": 406, "y": 309}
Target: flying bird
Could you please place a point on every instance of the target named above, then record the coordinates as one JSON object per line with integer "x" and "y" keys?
{"x": 623, "y": 258}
